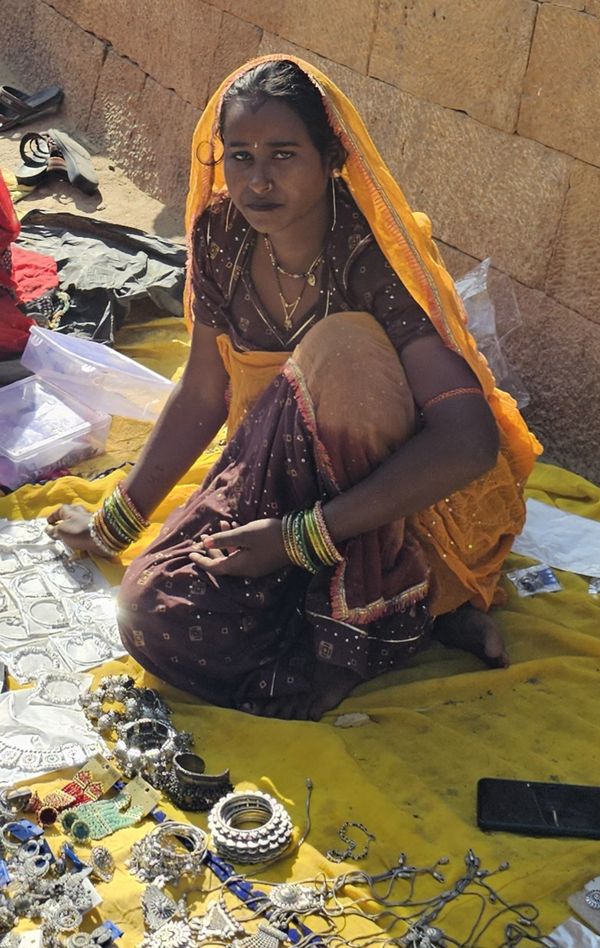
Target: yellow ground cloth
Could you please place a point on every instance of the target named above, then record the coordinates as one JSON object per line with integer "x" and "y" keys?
{"x": 437, "y": 726}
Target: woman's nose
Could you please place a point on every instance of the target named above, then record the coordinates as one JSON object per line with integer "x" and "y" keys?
{"x": 260, "y": 181}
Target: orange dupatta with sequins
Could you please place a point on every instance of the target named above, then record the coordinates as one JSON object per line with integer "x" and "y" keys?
{"x": 466, "y": 536}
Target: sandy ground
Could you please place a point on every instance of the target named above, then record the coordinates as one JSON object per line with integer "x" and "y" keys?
{"x": 118, "y": 200}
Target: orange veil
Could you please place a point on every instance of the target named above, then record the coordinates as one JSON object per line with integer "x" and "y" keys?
{"x": 467, "y": 535}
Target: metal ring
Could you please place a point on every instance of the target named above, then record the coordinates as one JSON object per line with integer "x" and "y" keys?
{"x": 4, "y": 835}
{"x": 592, "y": 898}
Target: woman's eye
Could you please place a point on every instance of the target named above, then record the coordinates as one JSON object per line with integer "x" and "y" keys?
{"x": 283, "y": 154}
{"x": 240, "y": 155}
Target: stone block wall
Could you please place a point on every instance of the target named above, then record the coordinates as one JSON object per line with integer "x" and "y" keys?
{"x": 485, "y": 110}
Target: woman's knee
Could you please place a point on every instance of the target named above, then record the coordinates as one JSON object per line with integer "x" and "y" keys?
{"x": 355, "y": 378}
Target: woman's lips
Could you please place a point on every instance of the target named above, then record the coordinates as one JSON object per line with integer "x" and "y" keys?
{"x": 263, "y": 207}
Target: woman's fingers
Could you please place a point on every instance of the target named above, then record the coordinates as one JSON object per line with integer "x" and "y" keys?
{"x": 226, "y": 540}
{"x": 220, "y": 564}
{"x": 63, "y": 513}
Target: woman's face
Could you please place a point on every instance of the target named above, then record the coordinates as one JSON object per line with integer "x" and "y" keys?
{"x": 275, "y": 176}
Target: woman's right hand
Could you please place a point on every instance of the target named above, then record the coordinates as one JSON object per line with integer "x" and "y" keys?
{"x": 71, "y": 524}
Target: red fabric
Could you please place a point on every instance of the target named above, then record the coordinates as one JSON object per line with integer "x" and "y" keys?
{"x": 9, "y": 224}
{"x": 14, "y": 328}
{"x": 34, "y": 273}
{"x": 9, "y": 231}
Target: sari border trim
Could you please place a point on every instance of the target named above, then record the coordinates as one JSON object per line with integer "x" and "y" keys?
{"x": 378, "y": 608}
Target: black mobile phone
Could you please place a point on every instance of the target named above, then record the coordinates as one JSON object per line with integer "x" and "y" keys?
{"x": 538, "y": 809}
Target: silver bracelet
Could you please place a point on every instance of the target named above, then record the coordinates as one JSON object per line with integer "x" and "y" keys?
{"x": 102, "y": 546}
{"x": 168, "y": 852}
{"x": 268, "y": 835}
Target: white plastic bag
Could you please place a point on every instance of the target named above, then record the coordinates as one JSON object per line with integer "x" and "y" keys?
{"x": 493, "y": 313}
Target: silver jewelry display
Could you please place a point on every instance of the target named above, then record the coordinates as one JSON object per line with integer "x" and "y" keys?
{"x": 267, "y": 936}
{"x": 158, "y": 908}
{"x": 59, "y": 688}
{"x": 46, "y": 612}
{"x": 249, "y": 827}
{"x": 134, "y": 703}
{"x": 291, "y": 898}
{"x": 216, "y": 923}
{"x": 592, "y": 898}
{"x": 187, "y": 786}
{"x": 84, "y": 650}
{"x": 28, "y": 662}
{"x": 31, "y": 585}
{"x": 175, "y": 934}
{"x": 15, "y": 533}
{"x": 13, "y": 801}
{"x": 168, "y": 852}
{"x": 70, "y": 576}
{"x": 102, "y": 863}
{"x": 353, "y": 850}
{"x": 146, "y": 745}
{"x": 48, "y": 597}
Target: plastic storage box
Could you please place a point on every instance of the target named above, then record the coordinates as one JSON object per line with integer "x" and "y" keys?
{"x": 42, "y": 429}
{"x": 96, "y": 375}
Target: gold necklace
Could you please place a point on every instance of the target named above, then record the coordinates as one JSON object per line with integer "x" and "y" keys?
{"x": 309, "y": 278}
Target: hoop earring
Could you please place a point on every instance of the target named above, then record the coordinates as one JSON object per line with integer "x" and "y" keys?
{"x": 333, "y": 205}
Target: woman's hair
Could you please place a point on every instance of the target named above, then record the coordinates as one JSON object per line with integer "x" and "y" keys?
{"x": 284, "y": 80}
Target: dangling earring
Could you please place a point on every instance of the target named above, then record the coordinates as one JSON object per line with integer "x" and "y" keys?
{"x": 333, "y": 202}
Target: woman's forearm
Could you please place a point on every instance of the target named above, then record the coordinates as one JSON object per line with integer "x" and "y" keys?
{"x": 424, "y": 470}
{"x": 185, "y": 428}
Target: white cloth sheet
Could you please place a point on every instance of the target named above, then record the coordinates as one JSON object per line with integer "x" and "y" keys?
{"x": 38, "y": 736}
{"x": 560, "y": 539}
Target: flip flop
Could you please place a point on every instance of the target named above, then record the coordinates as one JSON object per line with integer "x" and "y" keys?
{"x": 78, "y": 161}
{"x": 17, "y": 107}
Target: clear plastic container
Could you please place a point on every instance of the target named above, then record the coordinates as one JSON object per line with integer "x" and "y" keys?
{"x": 42, "y": 428}
{"x": 96, "y": 375}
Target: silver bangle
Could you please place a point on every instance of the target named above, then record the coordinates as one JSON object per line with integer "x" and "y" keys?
{"x": 102, "y": 546}
{"x": 141, "y": 745}
{"x": 168, "y": 852}
{"x": 238, "y": 842}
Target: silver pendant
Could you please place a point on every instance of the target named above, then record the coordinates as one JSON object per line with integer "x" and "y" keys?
{"x": 215, "y": 923}
{"x": 158, "y": 908}
{"x": 295, "y": 899}
{"x": 267, "y": 936}
{"x": 174, "y": 934}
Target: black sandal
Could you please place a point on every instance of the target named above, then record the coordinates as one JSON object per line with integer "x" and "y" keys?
{"x": 55, "y": 151}
{"x": 17, "y": 107}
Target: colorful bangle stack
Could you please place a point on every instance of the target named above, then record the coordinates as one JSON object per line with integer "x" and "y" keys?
{"x": 307, "y": 540}
{"x": 117, "y": 524}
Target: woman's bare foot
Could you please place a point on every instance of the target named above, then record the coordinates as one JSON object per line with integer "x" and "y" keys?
{"x": 474, "y": 631}
{"x": 331, "y": 684}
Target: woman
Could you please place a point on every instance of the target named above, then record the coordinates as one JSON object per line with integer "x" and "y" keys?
{"x": 373, "y": 478}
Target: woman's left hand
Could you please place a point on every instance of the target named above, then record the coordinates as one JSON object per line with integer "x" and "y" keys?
{"x": 256, "y": 549}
